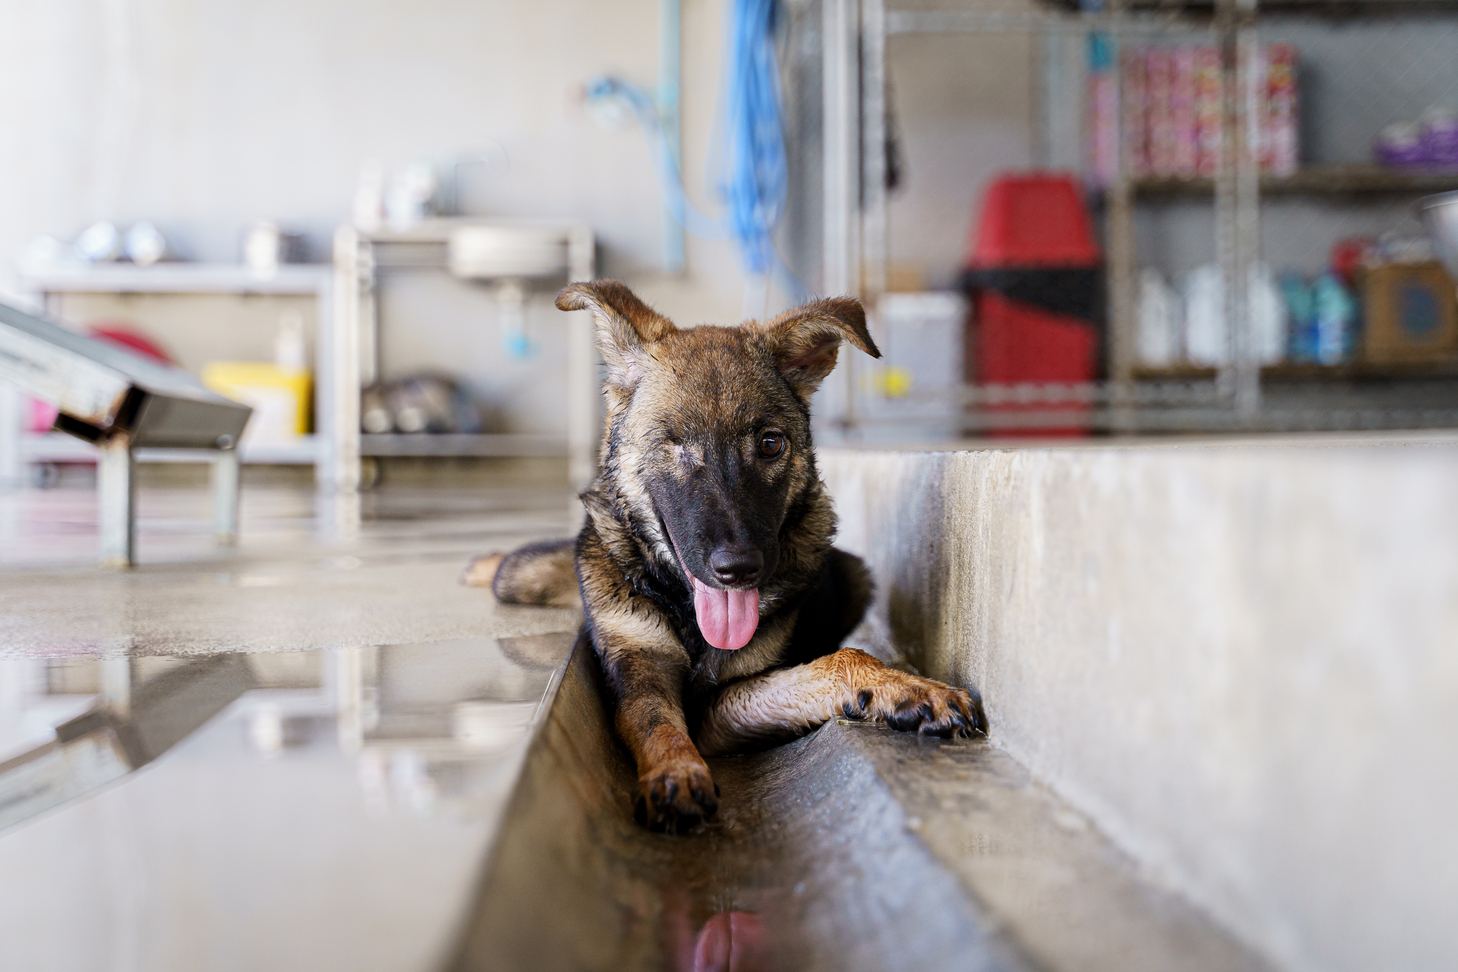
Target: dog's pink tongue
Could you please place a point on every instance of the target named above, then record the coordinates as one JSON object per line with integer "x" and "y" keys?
{"x": 727, "y": 619}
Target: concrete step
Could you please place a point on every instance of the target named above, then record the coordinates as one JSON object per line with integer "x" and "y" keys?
{"x": 1239, "y": 659}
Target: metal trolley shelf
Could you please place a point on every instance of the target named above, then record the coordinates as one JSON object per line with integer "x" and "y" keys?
{"x": 362, "y": 257}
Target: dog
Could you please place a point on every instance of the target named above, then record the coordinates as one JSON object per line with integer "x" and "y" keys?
{"x": 710, "y": 590}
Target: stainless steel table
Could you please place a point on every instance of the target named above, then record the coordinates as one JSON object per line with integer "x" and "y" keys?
{"x": 121, "y": 402}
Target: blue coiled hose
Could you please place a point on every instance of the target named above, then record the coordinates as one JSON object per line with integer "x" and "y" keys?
{"x": 754, "y": 181}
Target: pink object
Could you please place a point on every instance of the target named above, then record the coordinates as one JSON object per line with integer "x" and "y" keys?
{"x": 128, "y": 337}
{"x": 1183, "y": 130}
{"x": 732, "y": 941}
{"x": 1103, "y": 147}
{"x": 1209, "y": 134}
{"x": 42, "y": 415}
{"x": 1279, "y": 140}
{"x": 727, "y": 619}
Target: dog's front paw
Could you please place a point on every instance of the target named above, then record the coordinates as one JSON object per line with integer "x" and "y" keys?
{"x": 911, "y": 703}
{"x": 677, "y": 799}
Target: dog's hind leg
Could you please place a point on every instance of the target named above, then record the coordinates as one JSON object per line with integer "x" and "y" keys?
{"x": 539, "y": 573}
{"x": 769, "y": 709}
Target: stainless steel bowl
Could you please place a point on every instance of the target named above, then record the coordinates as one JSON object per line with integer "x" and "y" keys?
{"x": 1440, "y": 218}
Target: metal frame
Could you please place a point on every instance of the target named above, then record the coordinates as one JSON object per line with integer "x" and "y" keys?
{"x": 357, "y": 272}
{"x": 843, "y": 150}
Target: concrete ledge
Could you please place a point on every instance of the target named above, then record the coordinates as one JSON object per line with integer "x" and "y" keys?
{"x": 1240, "y": 659}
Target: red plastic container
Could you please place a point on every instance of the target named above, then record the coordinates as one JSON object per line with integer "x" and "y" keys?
{"x": 1033, "y": 228}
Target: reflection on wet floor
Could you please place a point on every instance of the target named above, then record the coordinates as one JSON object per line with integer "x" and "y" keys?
{"x": 293, "y": 810}
{"x": 287, "y": 754}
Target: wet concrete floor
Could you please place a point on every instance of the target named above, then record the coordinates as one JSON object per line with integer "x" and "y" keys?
{"x": 288, "y": 754}
{"x": 318, "y": 751}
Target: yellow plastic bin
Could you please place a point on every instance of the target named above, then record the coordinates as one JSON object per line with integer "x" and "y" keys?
{"x": 280, "y": 397}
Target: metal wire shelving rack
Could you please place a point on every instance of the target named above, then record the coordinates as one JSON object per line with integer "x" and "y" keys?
{"x": 1239, "y": 396}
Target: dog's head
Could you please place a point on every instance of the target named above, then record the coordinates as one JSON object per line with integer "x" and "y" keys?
{"x": 708, "y": 436}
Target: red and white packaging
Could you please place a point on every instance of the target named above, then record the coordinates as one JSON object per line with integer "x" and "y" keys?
{"x": 1171, "y": 120}
{"x": 1159, "y": 65}
{"x": 1208, "y": 109}
{"x": 1135, "y": 111}
{"x": 1279, "y": 132}
{"x": 1182, "y": 111}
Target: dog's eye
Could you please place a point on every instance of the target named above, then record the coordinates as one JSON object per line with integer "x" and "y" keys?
{"x": 771, "y": 444}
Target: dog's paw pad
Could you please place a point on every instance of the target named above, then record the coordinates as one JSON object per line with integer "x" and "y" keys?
{"x": 676, "y": 801}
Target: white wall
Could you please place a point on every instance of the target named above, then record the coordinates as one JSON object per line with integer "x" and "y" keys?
{"x": 204, "y": 115}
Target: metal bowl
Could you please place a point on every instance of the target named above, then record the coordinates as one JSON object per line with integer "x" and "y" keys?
{"x": 1440, "y": 218}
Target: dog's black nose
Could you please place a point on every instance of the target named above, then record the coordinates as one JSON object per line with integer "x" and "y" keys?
{"x": 736, "y": 565}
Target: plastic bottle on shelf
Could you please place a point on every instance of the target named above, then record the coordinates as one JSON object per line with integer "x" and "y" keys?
{"x": 1334, "y": 311}
{"x": 289, "y": 351}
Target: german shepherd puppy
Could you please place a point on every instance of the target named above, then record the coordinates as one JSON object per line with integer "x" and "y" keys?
{"x": 710, "y": 589}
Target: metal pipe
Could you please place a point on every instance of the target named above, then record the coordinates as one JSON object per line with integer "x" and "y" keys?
{"x": 670, "y": 82}
{"x": 584, "y": 398}
{"x": 841, "y": 147}
{"x": 348, "y": 299}
{"x": 225, "y": 473}
{"x": 116, "y": 489}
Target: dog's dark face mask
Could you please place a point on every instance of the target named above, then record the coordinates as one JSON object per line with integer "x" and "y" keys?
{"x": 721, "y": 493}
{"x": 709, "y": 437}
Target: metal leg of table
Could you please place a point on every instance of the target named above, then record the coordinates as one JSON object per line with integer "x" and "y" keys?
{"x": 225, "y": 496}
{"x": 12, "y": 467}
{"x": 116, "y": 488}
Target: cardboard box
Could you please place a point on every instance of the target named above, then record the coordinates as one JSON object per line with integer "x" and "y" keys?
{"x": 1411, "y": 314}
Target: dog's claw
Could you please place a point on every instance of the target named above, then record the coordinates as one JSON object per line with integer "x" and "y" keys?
{"x": 925, "y": 707}
{"x": 674, "y": 801}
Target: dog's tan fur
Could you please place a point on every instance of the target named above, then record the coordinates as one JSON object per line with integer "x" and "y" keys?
{"x": 686, "y": 410}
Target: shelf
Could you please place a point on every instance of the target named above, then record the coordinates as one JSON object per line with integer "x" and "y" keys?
{"x": 60, "y": 447}
{"x": 1297, "y": 373}
{"x": 426, "y": 444}
{"x": 1332, "y": 9}
{"x": 1354, "y": 179}
{"x": 178, "y": 278}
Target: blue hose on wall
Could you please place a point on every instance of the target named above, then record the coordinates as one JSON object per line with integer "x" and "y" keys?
{"x": 755, "y": 179}
{"x": 753, "y": 182}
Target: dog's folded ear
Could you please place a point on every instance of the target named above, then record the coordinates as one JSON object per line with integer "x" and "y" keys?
{"x": 805, "y": 341}
{"x": 624, "y": 325}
